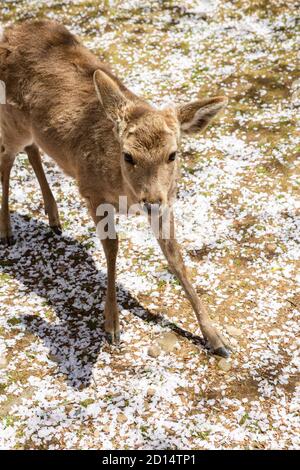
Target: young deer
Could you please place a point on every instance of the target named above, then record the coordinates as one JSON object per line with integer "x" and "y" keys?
{"x": 62, "y": 99}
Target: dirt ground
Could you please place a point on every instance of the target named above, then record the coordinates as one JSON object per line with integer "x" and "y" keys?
{"x": 62, "y": 386}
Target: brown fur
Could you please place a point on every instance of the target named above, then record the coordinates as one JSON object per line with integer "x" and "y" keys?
{"x": 62, "y": 99}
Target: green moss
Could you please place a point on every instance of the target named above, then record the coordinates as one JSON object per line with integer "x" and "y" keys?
{"x": 4, "y": 279}
{"x": 14, "y": 321}
{"x": 87, "y": 402}
{"x": 202, "y": 435}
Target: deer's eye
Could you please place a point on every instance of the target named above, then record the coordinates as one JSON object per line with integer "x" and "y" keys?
{"x": 128, "y": 158}
{"x": 172, "y": 156}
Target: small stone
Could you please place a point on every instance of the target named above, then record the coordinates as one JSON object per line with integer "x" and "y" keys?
{"x": 296, "y": 98}
{"x": 233, "y": 331}
{"x": 53, "y": 358}
{"x": 224, "y": 365}
{"x": 271, "y": 247}
{"x": 154, "y": 351}
{"x": 121, "y": 418}
{"x": 3, "y": 362}
{"x": 168, "y": 342}
{"x": 296, "y": 84}
{"x": 151, "y": 392}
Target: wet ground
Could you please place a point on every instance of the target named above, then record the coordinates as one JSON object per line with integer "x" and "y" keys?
{"x": 61, "y": 384}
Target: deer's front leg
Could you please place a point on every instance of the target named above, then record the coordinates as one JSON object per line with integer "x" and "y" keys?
{"x": 111, "y": 311}
{"x": 172, "y": 252}
{"x": 110, "y": 245}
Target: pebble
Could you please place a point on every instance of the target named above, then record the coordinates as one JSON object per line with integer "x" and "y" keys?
{"x": 233, "y": 331}
{"x": 224, "y": 365}
{"x": 154, "y": 351}
{"x": 296, "y": 98}
{"x": 53, "y": 358}
{"x": 121, "y": 418}
{"x": 296, "y": 84}
{"x": 271, "y": 247}
{"x": 168, "y": 341}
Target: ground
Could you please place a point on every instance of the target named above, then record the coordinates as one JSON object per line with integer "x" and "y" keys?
{"x": 62, "y": 386}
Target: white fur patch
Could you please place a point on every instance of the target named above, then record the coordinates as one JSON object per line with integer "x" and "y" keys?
{"x": 1, "y": 32}
{"x": 168, "y": 105}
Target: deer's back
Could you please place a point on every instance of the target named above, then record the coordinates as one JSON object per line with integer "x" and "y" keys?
{"x": 48, "y": 74}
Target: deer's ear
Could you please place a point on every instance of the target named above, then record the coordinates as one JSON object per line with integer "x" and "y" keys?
{"x": 195, "y": 116}
{"x": 109, "y": 94}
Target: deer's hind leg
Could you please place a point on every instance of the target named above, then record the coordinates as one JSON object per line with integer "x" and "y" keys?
{"x": 15, "y": 135}
{"x": 7, "y": 158}
{"x": 49, "y": 201}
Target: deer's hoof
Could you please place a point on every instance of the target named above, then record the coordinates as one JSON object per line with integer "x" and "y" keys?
{"x": 7, "y": 241}
{"x": 109, "y": 337}
{"x": 222, "y": 352}
{"x": 56, "y": 229}
{"x": 113, "y": 338}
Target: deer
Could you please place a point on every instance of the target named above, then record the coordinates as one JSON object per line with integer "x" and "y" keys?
{"x": 61, "y": 99}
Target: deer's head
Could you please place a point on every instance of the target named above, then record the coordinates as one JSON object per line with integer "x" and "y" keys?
{"x": 149, "y": 138}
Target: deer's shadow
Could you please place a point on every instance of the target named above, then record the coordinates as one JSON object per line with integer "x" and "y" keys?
{"x": 61, "y": 270}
